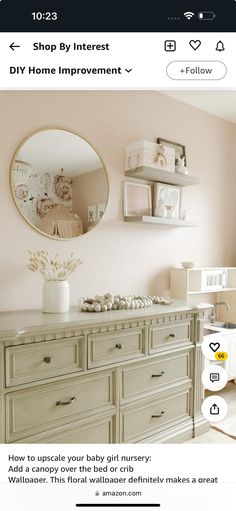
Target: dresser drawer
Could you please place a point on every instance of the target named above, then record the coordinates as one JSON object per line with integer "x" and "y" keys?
{"x": 147, "y": 377}
{"x": 112, "y": 347}
{"x": 170, "y": 335}
{"x": 153, "y": 416}
{"x": 32, "y": 411}
{"x": 101, "y": 430}
{"x": 38, "y": 361}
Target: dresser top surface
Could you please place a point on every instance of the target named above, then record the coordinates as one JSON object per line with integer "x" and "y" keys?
{"x": 18, "y": 323}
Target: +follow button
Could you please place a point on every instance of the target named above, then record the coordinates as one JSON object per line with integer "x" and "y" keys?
{"x": 196, "y": 70}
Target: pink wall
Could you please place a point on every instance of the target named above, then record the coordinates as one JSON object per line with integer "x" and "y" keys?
{"x": 120, "y": 256}
{"x": 88, "y": 189}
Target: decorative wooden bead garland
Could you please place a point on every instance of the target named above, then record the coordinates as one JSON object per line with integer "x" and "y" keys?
{"x": 118, "y": 302}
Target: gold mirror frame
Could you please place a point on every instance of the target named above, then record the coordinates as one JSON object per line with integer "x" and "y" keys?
{"x": 14, "y": 159}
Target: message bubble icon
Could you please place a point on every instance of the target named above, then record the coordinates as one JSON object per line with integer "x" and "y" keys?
{"x": 214, "y": 377}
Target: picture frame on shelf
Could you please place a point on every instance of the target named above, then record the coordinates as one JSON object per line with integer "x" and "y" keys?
{"x": 92, "y": 214}
{"x": 180, "y": 149}
{"x": 100, "y": 210}
{"x": 166, "y": 201}
{"x": 137, "y": 199}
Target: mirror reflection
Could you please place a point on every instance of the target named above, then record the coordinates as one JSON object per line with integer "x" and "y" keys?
{"x": 59, "y": 183}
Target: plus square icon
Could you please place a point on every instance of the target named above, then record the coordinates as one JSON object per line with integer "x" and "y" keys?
{"x": 170, "y": 45}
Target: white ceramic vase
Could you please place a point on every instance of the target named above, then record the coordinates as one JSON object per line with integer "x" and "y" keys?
{"x": 56, "y": 296}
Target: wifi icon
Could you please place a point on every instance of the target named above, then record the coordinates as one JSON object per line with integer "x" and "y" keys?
{"x": 188, "y": 15}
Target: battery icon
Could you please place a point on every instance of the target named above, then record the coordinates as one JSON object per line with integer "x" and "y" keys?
{"x": 206, "y": 15}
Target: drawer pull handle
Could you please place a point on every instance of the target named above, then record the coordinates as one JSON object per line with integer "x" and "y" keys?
{"x": 172, "y": 335}
{"x": 158, "y": 416}
{"x": 158, "y": 375}
{"x": 47, "y": 360}
{"x": 119, "y": 346}
{"x": 64, "y": 403}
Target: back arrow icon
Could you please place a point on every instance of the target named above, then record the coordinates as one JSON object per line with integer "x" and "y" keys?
{"x": 13, "y": 46}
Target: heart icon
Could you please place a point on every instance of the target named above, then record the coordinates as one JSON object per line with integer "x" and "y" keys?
{"x": 214, "y": 346}
{"x": 195, "y": 44}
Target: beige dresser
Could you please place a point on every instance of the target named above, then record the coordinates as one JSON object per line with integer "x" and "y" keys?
{"x": 115, "y": 377}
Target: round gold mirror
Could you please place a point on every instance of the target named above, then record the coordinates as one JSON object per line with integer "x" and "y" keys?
{"x": 59, "y": 183}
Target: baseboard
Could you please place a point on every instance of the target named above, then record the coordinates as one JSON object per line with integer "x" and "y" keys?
{"x": 175, "y": 435}
{"x": 201, "y": 426}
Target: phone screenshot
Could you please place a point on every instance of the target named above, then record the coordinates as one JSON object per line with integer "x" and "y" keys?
{"x": 118, "y": 256}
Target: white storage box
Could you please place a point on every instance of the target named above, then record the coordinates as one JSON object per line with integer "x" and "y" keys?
{"x": 149, "y": 154}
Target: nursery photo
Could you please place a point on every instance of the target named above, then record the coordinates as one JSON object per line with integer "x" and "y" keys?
{"x": 118, "y": 267}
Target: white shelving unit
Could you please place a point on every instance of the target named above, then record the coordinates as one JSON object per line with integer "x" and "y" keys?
{"x": 152, "y": 174}
{"x": 186, "y": 282}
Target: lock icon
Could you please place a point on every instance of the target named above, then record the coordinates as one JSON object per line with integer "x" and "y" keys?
{"x": 220, "y": 46}
{"x": 214, "y": 410}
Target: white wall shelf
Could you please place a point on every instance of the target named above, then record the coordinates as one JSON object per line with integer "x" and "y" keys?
{"x": 158, "y": 221}
{"x": 186, "y": 282}
{"x": 162, "y": 176}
